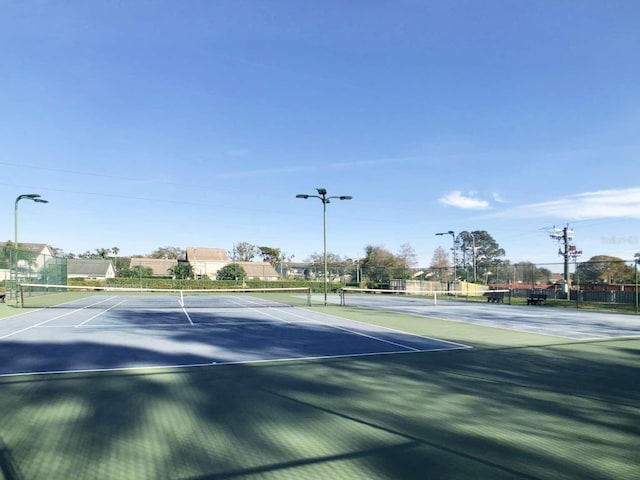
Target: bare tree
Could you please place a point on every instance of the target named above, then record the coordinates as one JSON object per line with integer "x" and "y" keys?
{"x": 245, "y": 252}
{"x": 407, "y": 256}
{"x": 168, "y": 253}
{"x": 440, "y": 263}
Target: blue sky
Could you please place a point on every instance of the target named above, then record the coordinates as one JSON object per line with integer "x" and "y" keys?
{"x": 171, "y": 123}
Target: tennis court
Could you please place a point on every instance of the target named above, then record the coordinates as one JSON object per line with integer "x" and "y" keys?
{"x": 298, "y": 391}
{"x": 566, "y": 323}
{"x": 100, "y": 330}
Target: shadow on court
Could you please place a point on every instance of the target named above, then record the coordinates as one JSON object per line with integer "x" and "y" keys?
{"x": 113, "y": 341}
{"x": 558, "y": 411}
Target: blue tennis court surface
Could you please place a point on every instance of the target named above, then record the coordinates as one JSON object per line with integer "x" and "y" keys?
{"x": 107, "y": 335}
{"x": 571, "y": 323}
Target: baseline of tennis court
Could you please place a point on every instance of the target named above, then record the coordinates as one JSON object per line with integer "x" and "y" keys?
{"x": 108, "y": 335}
{"x": 560, "y": 322}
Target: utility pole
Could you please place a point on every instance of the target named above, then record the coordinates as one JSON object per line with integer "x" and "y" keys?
{"x": 567, "y": 251}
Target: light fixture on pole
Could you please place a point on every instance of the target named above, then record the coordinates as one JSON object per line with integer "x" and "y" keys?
{"x": 322, "y": 196}
{"x": 27, "y": 196}
{"x": 453, "y": 236}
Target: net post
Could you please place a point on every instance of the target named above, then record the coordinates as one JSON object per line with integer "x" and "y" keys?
{"x": 309, "y": 296}
{"x": 342, "y": 295}
{"x": 435, "y": 297}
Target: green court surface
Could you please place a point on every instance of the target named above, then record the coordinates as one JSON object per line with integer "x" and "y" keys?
{"x": 515, "y": 406}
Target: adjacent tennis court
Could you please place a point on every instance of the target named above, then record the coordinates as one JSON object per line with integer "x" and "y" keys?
{"x": 265, "y": 386}
{"x": 566, "y": 323}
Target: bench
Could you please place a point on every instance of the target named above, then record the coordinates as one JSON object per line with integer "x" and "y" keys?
{"x": 495, "y": 297}
{"x": 537, "y": 299}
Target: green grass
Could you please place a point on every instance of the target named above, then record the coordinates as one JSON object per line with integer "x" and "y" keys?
{"x": 516, "y": 406}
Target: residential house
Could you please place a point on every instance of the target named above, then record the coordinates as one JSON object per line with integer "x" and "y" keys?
{"x": 207, "y": 261}
{"x": 91, "y": 269}
{"x": 32, "y": 258}
{"x": 259, "y": 271}
{"x": 159, "y": 266}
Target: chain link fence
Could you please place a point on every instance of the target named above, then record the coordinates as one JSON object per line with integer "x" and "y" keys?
{"x": 26, "y": 266}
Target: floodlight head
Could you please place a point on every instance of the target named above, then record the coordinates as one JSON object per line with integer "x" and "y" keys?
{"x": 345, "y": 197}
{"x": 302, "y": 195}
{"x": 28, "y": 196}
{"x": 322, "y": 191}
{"x": 40, "y": 200}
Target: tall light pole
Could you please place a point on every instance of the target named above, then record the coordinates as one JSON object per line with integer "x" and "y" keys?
{"x": 637, "y": 256}
{"x": 28, "y": 196}
{"x": 473, "y": 258}
{"x": 322, "y": 195}
{"x": 453, "y": 236}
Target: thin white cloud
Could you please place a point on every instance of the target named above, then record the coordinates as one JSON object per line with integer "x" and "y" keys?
{"x": 466, "y": 201}
{"x": 498, "y": 198}
{"x": 622, "y": 203}
{"x": 264, "y": 172}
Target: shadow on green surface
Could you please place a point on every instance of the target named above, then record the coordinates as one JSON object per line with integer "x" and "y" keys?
{"x": 8, "y": 466}
{"x": 556, "y": 411}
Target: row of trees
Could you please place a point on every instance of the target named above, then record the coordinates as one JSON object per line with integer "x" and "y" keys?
{"x": 478, "y": 258}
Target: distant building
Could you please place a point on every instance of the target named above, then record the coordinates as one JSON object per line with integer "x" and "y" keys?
{"x": 159, "y": 266}
{"x": 91, "y": 269}
{"x": 207, "y": 261}
{"x": 259, "y": 271}
{"x": 32, "y": 259}
{"x": 556, "y": 278}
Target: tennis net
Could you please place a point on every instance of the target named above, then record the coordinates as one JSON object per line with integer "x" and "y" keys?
{"x": 379, "y": 298}
{"x": 67, "y": 296}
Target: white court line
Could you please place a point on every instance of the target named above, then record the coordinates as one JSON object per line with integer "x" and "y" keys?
{"x": 187, "y": 314}
{"x": 372, "y": 337}
{"x": 218, "y": 364}
{"x": 354, "y": 332}
{"x": 256, "y": 309}
{"x": 98, "y": 314}
{"x": 51, "y": 319}
{"x": 461, "y": 345}
{"x": 241, "y": 304}
{"x": 490, "y": 323}
{"x": 184, "y": 310}
{"x": 499, "y": 314}
{"x": 122, "y": 326}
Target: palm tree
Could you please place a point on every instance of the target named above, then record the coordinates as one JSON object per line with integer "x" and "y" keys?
{"x": 115, "y": 251}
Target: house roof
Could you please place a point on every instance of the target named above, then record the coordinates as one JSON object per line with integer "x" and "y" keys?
{"x": 258, "y": 269}
{"x": 197, "y": 254}
{"x": 29, "y": 247}
{"x": 88, "y": 267}
{"x": 159, "y": 266}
